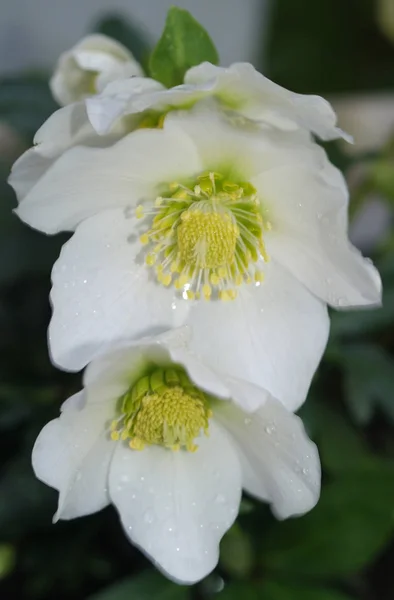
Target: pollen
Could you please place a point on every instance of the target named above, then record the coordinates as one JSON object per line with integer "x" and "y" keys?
{"x": 207, "y": 240}
{"x": 205, "y": 237}
{"x": 163, "y": 408}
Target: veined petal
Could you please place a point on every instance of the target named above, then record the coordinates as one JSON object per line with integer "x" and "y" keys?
{"x": 241, "y": 152}
{"x": 72, "y": 454}
{"x": 280, "y": 464}
{"x": 117, "y": 176}
{"x": 103, "y": 291}
{"x": 176, "y": 506}
{"x": 308, "y": 212}
{"x": 256, "y": 97}
{"x": 272, "y": 335}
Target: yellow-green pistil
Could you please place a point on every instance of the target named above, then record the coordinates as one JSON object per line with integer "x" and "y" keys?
{"x": 163, "y": 408}
{"x": 207, "y": 237}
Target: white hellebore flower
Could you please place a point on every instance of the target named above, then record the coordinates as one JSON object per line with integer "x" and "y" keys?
{"x": 89, "y": 66}
{"x": 161, "y": 437}
{"x": 239, "y": 90}
{"x": 241, "y": 235}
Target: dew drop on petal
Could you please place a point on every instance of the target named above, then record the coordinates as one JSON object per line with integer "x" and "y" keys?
{"x": 149, "y": 516}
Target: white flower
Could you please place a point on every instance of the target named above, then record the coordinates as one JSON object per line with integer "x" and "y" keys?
{"x": 161, "y": 437}
{"x": 89, "y": 66}
{"x": 238, "y": 90}
{"x": 216, "y": 202}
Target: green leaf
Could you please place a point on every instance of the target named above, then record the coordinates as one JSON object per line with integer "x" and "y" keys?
{"x": 235, "y": 591}
{"x": 273, "y": 590}
{"x": 361, "y": 322}
{"x": 341, "y": 446}
{"x": 183, "y": 44}
{"x": 7, "y": 559}
{"x": 368, "y": 381}
{"x": 149, "y": 585}
{"x": 350, "y": 525}
{"x": 382, "y": 177}
{"x": 236, "y": 552}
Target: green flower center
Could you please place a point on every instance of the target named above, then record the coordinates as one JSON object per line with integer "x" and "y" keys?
{"x": 163, "y": 408}
{"x": 206, "y": 237}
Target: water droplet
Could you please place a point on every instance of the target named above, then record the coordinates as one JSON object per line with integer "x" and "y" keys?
{"x": 269, "y": 429}
{"x": 142, "y": 478}
{"x": 85, "y": 280}
{"x": 247, "y": 420}
{"x": 220, "y": 499}
{"x": 133, "y": 496}
{"x": 305, "y": 471}
{"x": 125, "y": 478}
{"x": 149, "y": 516}
{"x": 173, "y": 305}
{"x": 178, "y": 549}
{"x": 130, "y": 527}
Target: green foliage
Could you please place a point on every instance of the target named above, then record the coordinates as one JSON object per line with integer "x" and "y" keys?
{"x": 351, "y": 524}
{"x": 236, "y": 552}
{"x": 148, "y": 585}
{"x": 183, "y": 44}
{"x": 293, "y": 591}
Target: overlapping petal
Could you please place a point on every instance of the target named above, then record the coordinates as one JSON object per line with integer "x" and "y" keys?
{"x": 102, "y": 291}
{"x": 273, "y": 335}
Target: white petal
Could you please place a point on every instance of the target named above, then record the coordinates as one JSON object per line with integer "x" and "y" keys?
{"x": 96, "y": 54}
{"x": 272, "y": 335}
{"x": 243, "y": 151}
{"x": 105, "y": 108}
{"x": 176, "y": 506}
{"x": 72, "y": 454}
{"x": 280, "y": 463}
{"x": 308, "y": 211}
{"x": 102, "y": 291}
{"x": 121, "y": 364}
{"x": 258, "y": 98}
{"x": 67, "y": 127}
{"x": 120, "y": 175}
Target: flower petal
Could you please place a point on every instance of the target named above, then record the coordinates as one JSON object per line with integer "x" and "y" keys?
{"x": 280, "y": 463}
{"x": 117, "y": 176}
{"x": 176, "y": 506}
{"x": 272, "y": 335}
{"x": 105, "y": 108}
{"x": 72, "y": 454}
{"x": 103, "y": 291}
{"x": 308, "y": 211}
{"x": 121, "y": 364}
{"x": 67, "y": 127}
{"x": 241, "y": 151}
{"x": 258, "y": 98}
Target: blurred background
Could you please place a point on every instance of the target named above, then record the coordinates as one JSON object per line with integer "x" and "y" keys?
{"x": 343, "y": 549}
